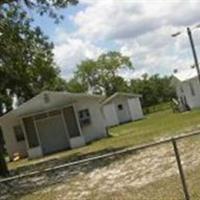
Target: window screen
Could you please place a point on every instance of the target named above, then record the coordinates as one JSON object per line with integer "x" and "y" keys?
{"x": 31, "y": 132}
{"x": 19, "y": 135}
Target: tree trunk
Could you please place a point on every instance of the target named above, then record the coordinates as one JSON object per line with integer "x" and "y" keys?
{"x": 3, "y": 166}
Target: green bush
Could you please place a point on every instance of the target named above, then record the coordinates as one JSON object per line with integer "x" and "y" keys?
{"x": 157, "y": 108}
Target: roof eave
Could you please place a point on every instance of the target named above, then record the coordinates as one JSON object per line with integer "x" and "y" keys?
{"x": 120, "y": 94}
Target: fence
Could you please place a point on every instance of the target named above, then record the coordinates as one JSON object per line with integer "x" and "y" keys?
{"x": 14, "y": 179}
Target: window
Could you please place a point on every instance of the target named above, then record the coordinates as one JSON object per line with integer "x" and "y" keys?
{"x": 84, "y": 117}
{"x": 192, "y": 89}
{"x": 18, "y": 133}
{"x": 120, "y": 107}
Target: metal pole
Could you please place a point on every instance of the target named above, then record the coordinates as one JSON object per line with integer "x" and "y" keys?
{"x": 180, "y": 168}
{"x": 194, "y": 52}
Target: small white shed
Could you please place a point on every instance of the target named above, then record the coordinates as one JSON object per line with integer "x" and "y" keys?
{"x": 121, "y": 108}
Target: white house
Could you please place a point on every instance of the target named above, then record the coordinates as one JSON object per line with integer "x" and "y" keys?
{"x": 187, "y": 88}
{"x": 122, "y": 107}
{"x": 51, "y": 122}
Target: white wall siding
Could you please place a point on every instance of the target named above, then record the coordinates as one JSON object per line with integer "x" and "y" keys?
{"x": 110, "y": 115}
{"x": 135, "y": 108}
{"x": 96, "y": 129}
{"x": 12, "y": 145}
{"x": 35, "y": 152}
{"x": 192, "y": 100}
{"x": 77, "y": 142}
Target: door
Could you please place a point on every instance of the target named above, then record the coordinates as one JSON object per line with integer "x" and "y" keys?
{"x": 52, "y": 134}
{"x": 71, "y": 122}
{"x": 123, "y": 112}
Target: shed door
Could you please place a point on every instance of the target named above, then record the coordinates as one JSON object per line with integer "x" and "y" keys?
{"x": 123, "y": 112}
{"x": 110, "y": 114}
{"x": 52, "y": 134}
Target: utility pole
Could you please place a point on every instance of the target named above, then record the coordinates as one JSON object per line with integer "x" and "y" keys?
{"x": 194, "y": 52}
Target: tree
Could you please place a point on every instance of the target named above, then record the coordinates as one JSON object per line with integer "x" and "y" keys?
{"x": 87, "y": 73}
{"x": 26, "y": 62}
{"x": 26, "y": 58}
{"x": 101, "y": 75}
{"x": 42, "y": 7}
{"x": 154, "y": 89}
{"x": 73, "y": 85}
{"x": 3, "y": 166}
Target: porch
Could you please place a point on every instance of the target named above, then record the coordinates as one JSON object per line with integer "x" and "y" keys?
{"x": 52, "y": 131}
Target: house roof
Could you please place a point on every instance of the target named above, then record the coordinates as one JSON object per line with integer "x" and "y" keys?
{"x": 186, "y": 74}
{"x": 117, "y": 94}
{"x": 48, "y": 100}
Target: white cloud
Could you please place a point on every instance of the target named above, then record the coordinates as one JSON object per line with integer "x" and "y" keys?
{"x": 70, "y": 51}
{"x": 123, "y": 19}
{"x": 141, "y": 29}
{"x": 157, "y": 52}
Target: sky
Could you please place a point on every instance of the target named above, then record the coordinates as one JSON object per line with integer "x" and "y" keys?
{"x": 140, "y": 29}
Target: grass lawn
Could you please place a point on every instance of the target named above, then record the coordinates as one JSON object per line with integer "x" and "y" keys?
{"x": 153, "y": 127}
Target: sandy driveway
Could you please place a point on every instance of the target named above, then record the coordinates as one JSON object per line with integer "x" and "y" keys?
{"x": 106, "y": 178}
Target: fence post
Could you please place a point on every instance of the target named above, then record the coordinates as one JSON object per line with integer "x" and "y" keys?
{"x": 180, "y": 169}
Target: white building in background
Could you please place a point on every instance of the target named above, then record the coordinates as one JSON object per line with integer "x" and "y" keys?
{"x": 187, "y": 87}
{"x": 121, "y": 108}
